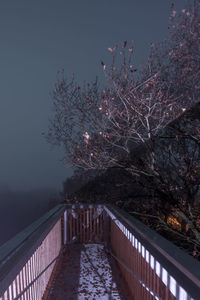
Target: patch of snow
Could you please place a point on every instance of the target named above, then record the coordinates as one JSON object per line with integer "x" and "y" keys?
{"x": 96, "y": 279}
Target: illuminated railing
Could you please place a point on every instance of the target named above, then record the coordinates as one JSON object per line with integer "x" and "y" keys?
{"x": 27, "y": 260}
{"x": 149, "y": 266}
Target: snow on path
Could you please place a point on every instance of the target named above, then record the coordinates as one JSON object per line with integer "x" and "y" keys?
{"x": 85, "y": 274}
{"x": 96, "y": 275}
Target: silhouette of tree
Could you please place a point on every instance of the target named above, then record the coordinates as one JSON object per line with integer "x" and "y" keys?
{"x": 130, "y": 123}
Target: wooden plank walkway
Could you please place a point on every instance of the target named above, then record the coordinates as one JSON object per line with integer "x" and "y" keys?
{"x": 85, "y": 274}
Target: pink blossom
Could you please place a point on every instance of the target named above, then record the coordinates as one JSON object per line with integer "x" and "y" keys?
{"x": 173, "y": 13}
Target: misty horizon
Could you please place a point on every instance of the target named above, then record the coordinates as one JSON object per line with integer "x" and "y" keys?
{"x": 19, "y": 209}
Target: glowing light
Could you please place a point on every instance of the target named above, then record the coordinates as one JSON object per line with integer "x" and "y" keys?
{"x": 164, "y": 276}
{"x": 172, "y": 286}
{"x": 87, "y": 137}
{"x": 157, "y": 268}
{"x": 174, "y": 223}
{"x": 182, "y": 294}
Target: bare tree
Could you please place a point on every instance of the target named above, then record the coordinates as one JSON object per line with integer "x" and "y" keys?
{"x": 178, "y": 56}
{"x": 177, "y": 162}
{"x": 124, "y": 124}
{"x": 97, "y": 128}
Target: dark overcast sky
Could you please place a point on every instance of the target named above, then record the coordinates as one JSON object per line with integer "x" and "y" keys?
{"x": 37, "y": 38}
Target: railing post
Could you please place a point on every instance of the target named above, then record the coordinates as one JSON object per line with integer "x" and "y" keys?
{"x": 106, "y": 229}
{"x": 65, "y": 239}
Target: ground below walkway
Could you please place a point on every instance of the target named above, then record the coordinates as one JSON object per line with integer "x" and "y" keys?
{"x": 85, "y": 274}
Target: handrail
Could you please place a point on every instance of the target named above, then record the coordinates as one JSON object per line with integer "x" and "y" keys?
{"x": 14, "y": 243}
{"x": 17, "y": 251}
{"x": 184, "y": 268}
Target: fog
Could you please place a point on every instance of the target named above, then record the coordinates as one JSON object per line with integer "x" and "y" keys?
{"x": 19, "y": 209}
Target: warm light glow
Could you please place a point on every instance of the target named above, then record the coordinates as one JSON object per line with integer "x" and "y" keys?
{"x": 174, "y": 223}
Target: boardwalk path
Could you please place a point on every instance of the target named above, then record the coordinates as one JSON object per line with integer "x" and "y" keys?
{"x": 84, "y": 274}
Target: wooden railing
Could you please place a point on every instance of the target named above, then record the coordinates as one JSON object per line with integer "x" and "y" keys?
{"x": 149, "y": 266}
{"x": 27, "y": 260}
